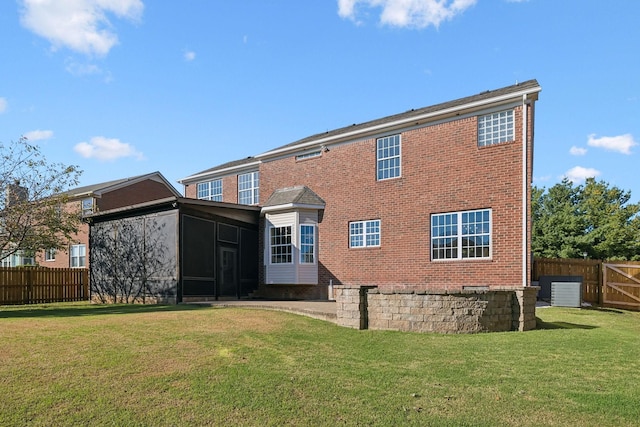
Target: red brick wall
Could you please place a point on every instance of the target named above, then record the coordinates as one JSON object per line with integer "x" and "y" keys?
{"x": 140, "y": 192}
{"x": 443, "y": 170}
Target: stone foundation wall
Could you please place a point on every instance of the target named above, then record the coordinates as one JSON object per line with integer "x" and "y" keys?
{"x": 462, "y": 311}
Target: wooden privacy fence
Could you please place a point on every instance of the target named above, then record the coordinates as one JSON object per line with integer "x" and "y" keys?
{"x": 609, "y": 284}
{"x": 36, "y": 285}
{"x": 621, "y": 285}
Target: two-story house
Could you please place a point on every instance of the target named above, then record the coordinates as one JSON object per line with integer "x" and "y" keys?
{"x": 432, "y": 198}
{"x": 91, "y": 199}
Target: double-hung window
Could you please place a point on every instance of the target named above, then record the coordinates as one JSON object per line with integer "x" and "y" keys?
{"x": 364, "y": 234}
{"x": 88, "y": 206}
{"x": 78, "y": 255}
{"x": 210, "y": 190}
{"x": 280, "y": 245}
{"x": 461, "y": 235}
{"x": 307, "y": 244}
{"x": 50, "y": 255}
{"x": 388, "y": 157}
{"x": 249, "y": 188}
{"x": 496, "y": 128}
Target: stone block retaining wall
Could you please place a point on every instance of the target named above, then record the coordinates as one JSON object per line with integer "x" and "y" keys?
{"x": 443, "y": 311}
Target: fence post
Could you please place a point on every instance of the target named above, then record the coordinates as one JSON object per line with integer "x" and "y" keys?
{"x": 603, "y": 282}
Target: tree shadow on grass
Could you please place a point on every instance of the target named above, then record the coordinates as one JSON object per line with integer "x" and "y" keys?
{"x": 86, "y": 309}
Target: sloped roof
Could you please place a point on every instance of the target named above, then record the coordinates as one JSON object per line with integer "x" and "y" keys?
{"x": 529, "y": 87}
{"x": 295, "y": 196}
{"x": 107, "y": 186}
{"x": 529, "y": 84}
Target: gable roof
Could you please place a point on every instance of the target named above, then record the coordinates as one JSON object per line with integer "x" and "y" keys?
{"x": 298, "y": 196}
{"x": 527, "y": 90}
{"x": 105, "y": 187}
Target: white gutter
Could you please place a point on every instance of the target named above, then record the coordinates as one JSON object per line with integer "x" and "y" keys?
{"x": 400, "y": 122}
{"x": 525, "y": 196}
{"x": 219, "y": 171}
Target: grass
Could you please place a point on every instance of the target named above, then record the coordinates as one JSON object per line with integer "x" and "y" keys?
{"x": 79, "y": 364}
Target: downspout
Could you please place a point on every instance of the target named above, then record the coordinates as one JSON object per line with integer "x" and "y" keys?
{"x": 525, "y": 195}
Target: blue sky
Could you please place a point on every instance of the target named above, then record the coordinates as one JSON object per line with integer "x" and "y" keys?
{"x": 125, "y": 87}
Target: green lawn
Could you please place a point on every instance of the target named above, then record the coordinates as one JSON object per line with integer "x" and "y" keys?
{"x": 81, "y": 364}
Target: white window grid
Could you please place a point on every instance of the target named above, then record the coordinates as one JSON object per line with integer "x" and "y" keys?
{"x": 280, "y": 245}
{"x": 249, "y": 188}
{"x": 461, "y": 235}
{"x": 50, "y": 255}
{"x": 496, "y": 128}
{"x": 388, "y": 157}
{"x": 307, "y": 244}
{"x": 78, "y": 255}
{"x": 364, "y": 234}
{"x": 210, "y": 190}
{"x": 87, "y": 206}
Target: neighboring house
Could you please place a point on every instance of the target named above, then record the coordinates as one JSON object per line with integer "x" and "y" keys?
{"x": 432, "y": 198}
{"x": 99, "y": 197}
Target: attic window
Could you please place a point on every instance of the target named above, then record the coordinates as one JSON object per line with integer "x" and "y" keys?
{"x": 496, "y": 128}
{"x": 309, "y": 155}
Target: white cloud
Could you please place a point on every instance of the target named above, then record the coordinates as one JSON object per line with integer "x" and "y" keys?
{"x": 578, "y": 174}
{"x": 189, "y": 55}
{"x": 621, "y": 144}
{"x": 80, "y": 25}
{"x": 3, "y": 105}
{"x": 38, "y": 135}
{"x": 102, "y": 148}
{"x": 577, "y": 151}
{"x": 408, "y": 13}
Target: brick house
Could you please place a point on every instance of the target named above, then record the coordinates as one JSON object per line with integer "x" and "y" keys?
{"x": 102, "y": 197}
{"x": 435, "y": 198}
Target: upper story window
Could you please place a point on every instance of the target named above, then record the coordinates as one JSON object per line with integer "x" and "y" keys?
{"x": 388, "y": 157}
{"x": 211, "y": 190}
{"x": 78, "y": 256}
{"x": 88, "y": 206}
{"x": 461, "y": 235}
{"x": 280, "y": 245}
{"x": 364, "y": 234}
{"x": 249, "y": 188}
{"x": 496, "y": 128}
{"x": 307, "y": 244}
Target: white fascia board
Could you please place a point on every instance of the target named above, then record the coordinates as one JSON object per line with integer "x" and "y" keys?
{"x": 220, "y": 172}
{"x": 290, "y": 206}
{"x": 514, "y": 96}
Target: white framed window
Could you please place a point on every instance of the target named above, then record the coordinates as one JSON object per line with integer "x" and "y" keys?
{"x": 50, "y": 255}
{"x": 78, "y": 256}
{"x": 280, "y": 245}
{"x": 88, "y": 206}
{"x": 461, "y": 235}
{"x": 249, "y": 188}
{"x": 388, "y": 157}
{"x": 496, "y": 128}
{"x": 210, "y": 190}
{"x": 307, "y": 244}
{"x": 364, "y": 234}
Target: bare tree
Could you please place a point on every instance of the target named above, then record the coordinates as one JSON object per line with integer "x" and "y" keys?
{"x": 131, "y": 260}
{"x": 33, "y": 211}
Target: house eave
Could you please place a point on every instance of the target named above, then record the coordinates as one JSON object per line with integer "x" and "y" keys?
{"x": 530, "y": 93}
{"x": 290, "y": 206}
{"x": 220, "y": 172}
